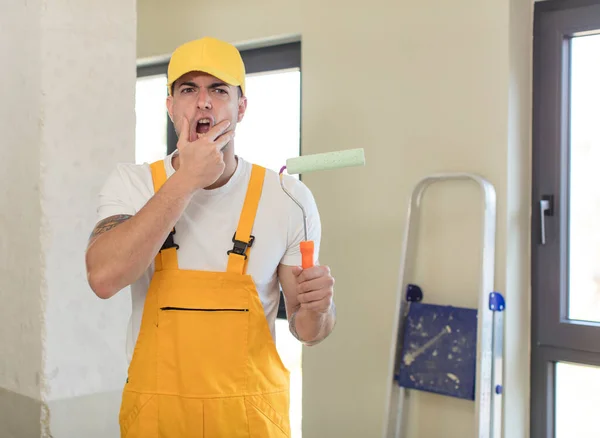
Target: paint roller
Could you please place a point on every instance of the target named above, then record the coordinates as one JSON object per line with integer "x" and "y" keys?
{"x": 313, "y": 163}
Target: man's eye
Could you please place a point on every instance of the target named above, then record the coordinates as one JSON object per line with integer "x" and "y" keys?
{"x": 220, "y": 91}
{"x": 185, "y": 90}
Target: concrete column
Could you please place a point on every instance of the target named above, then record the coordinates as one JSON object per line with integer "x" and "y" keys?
{"x": 67, "y": 116}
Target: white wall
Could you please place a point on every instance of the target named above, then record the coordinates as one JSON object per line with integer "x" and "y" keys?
{"x": 88, "y": 83}
{"x": 423, "y": 87}
{"x": 20, "y": 316}
{"x": 67, "y": 117}
{"x": 80, "y": 143}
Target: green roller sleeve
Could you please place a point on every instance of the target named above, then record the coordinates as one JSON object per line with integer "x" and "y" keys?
{"x": 326, "y": 161}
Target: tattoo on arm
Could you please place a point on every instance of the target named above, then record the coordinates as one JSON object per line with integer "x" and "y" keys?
{"x": 108, "y": 224}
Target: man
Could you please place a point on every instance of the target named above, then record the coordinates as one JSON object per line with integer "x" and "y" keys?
{"x": 205, "y": 238}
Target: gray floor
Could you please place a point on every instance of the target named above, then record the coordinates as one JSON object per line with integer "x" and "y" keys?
{"x": 19, "y": 415}
{"x": 91, "y": 416}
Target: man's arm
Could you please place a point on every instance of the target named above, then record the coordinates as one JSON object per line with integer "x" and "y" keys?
{"x": 122, "y": 247}
{"x": 309, "y": 302}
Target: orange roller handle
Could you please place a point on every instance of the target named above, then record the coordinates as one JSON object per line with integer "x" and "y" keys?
{"x": 307, "y": 248}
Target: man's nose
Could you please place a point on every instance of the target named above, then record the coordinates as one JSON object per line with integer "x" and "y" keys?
{"x": 204, "y": 100}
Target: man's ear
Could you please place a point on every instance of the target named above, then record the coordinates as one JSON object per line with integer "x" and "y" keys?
{"x": 170, "y": 107}
{"x": 242, "y": 104}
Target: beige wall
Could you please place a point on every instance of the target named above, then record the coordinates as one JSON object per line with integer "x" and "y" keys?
{"x": 423, "y": 87}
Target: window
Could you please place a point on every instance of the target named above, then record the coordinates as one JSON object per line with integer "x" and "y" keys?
{"x": 273, "y": 84}
{"x": 270, "y": 131}
{"x": 565, "y": 220}
{"x": 151, "y": 118}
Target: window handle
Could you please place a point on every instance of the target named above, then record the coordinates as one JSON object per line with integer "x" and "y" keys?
{"x": 546, "y": 209}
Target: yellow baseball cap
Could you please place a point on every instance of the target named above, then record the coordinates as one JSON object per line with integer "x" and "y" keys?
{"x": 208, "y": 55}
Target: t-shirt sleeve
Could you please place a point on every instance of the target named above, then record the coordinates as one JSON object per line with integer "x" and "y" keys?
{"x": 114, "y": 197}
{"x": 293, "y": 256}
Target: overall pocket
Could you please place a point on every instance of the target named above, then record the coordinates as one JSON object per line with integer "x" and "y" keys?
{"x": 138, "y": 417}
{"x": 268, "y": 415}
{"x": 202, "y": 342}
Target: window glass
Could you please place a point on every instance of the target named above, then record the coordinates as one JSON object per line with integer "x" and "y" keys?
{"x": 151, "y": 119}
{"x": 584, "y": 184}
{"x": 577, "y": 400}
{"x": 270, "y": 131}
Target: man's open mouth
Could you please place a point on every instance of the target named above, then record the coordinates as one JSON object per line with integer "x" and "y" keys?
{"x": 203, "y": 126}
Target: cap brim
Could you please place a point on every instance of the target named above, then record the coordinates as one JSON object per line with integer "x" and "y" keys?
{"x": 228, "y": 79}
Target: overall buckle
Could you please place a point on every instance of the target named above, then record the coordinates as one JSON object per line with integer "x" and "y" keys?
{"x": 170, "y": 242}
{"x": 240, "y": 247}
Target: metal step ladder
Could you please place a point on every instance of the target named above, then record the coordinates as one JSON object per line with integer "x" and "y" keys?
{"x": 447, "y": 350}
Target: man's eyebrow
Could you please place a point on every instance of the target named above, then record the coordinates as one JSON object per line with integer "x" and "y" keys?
{"x": 188, "y": 84}
{"x": 218, "y": 84}
{"x": 211, "y": 86}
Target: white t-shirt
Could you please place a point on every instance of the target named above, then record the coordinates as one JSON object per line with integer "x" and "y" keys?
{"x": 205, "y": 230}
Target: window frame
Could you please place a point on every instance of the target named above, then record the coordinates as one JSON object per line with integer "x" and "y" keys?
{"x": 275, "y": 57}
{"x": 554, "y": 338}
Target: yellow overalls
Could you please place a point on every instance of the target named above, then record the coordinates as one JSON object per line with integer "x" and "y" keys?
{"x": 205, "y": 363}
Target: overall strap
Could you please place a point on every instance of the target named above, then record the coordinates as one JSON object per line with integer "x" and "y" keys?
{"x": 242, "y": 240}
{"x": 167, "y": 256}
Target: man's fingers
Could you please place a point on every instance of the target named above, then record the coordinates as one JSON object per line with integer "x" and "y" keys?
{"x": 314, "y": 298}
{"x": 309, "y": 297}
{"x": 218, "y": 129}
{"x": 315, "y": 284}
{"x": 314, "y": 272}
{"x": 224, "y": 139}
{"x": 185, "y": 130}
